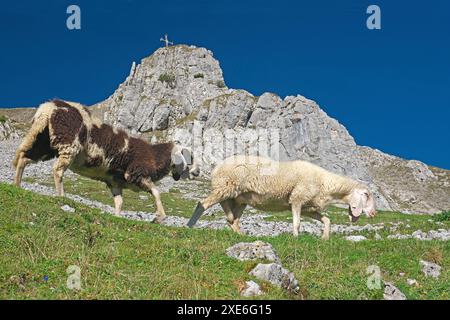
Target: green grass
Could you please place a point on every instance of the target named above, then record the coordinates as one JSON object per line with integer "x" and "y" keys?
{"x": 443, "y": 216}
{"x": 124, "y": 259}
{"x": 3, "y": 118}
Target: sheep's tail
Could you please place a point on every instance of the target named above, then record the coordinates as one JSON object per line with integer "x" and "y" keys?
{"x": 38, "y": 124}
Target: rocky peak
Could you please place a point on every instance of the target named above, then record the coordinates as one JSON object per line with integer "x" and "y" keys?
{"x": 167, "y": 86}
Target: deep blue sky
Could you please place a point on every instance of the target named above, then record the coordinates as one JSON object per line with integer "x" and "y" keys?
{"x": 390, "y": 88}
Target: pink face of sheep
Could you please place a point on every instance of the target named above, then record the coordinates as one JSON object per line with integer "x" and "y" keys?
{"x": 360, "y": 200}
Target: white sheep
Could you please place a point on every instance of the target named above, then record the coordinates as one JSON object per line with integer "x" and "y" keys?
{"x": 269, "y": 185}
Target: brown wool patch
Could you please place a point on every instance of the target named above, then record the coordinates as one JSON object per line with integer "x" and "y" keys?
{"x": 106, "y": 139}
{"x": 82, "y": 135}
{"x": 66, "y": 124}
{"x": 148, "y": 161}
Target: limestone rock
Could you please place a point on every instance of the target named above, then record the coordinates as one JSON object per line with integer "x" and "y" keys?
{"x": 356, "y": 238}
{"x": 276, "y": 275}
{"x": 7, "y": 130}
{"x": 251, "y": 289}
{"x": 67, "y": 208}
{"x": 431, "y": 269}
{"x": 412, "y": 282}
{"x": 253, "y": 250}
{"x": 391, "y": 292}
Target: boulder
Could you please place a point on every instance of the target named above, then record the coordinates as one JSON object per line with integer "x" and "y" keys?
{"x": 276, "y": 275}
{"x": 431, "y": 269}
{"x": 253, "y": 250}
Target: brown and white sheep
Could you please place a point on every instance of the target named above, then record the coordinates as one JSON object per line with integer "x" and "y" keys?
{"x": 85, "y": 145}
{"x": 299, "y": 186}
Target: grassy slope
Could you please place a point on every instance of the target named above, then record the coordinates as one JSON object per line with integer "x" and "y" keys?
{"x": 127, "y": 259}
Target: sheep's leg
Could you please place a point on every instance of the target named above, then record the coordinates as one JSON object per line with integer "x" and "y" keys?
{"x": 21, "y": 164}
{"x": 160, "y": 213}
{"x": 203, "y": 205}
{"x": 60, "y": 166}
{"x": 326, "y": 222}
{"x": 118, "y": 201}
{"x": 230, "y": 207}
{"x": 237, "y": 212}
{"x": 296, "y": 213}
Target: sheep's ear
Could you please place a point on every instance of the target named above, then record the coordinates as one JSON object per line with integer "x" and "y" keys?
{"x": 178, "y": 161}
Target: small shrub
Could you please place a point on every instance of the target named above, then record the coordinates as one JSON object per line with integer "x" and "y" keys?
{"x": 166, "y": 77}
{"x": 220, "y": 84}
{"x": 198, "y": 75}
{"x": 2, "y": 118}
{"x": 443, "y": 216}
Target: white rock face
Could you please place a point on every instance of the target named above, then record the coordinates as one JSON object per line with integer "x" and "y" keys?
{"x": 67, "y": 208}
{"x": 276, "y": 275}
{"x": 412, "y": 282}
{"x": 165, "y": 87}
{"x": 431, "y": 269}
{"x": 182, "y": 87}
{"x": 440, "y": 234}
{"x": 252, "y": 289}
{"x": 355, "y": 238}
{"x": 253, "y": 250}
{"x": 391, "y": 292}
{"x": 7, "y": 130}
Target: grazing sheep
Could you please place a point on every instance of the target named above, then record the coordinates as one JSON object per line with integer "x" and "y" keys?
{"x": 299, "y": 186}
{"x": 85, "y": 145}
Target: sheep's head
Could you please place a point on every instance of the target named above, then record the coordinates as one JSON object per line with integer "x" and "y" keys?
{"x": 360, "y": 200}
{"x": 183, "y": 164}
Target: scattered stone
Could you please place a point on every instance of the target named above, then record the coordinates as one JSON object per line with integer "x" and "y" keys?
{"x": 431, "y": 269}
{"x": 401, "y": 274}
{"x": 143, "y": 197}
{"x": 68, "y": 208}
{"x": 253, "y": 250}
{"x": 440, "y": 234}
{"x": 252, "y": 289}
{"x": 391, "y": 292}
{"x": 412, "y": 282}
{"x": 276, "y": 275}
{"x": 355, "y": 238}
{"x": 377, "y": 236}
